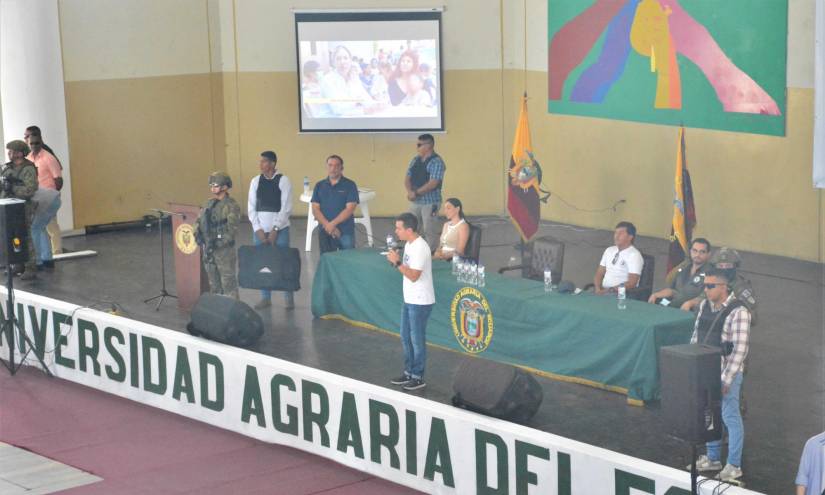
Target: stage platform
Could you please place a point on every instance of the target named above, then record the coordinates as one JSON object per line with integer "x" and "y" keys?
{"x": 784, "y": 387}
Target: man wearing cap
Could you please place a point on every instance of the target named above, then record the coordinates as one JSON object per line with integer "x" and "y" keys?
{"x": 20, "y": 181}
{"x": 215, "y": 231}
{"x": 684, "y": 282}
{"x": 269, "y": 207}
{"x": 724, "y": 322}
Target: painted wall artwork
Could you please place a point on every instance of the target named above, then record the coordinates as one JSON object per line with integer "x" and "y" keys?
{"x": 715, "y": 64}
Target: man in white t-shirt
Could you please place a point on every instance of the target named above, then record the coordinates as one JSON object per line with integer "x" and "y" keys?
{"x": 419, "y": 298}
{"x": 620, "y": 264}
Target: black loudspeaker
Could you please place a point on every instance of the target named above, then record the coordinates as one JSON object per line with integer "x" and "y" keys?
{"x": 13, "y": 232}
{"x": 225, "y": 319}
{"x": 497, "y": 390}
{"x": 692, "y": 391}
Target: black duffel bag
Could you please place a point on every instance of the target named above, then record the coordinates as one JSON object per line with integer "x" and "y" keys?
{"x": 269, "y": 267}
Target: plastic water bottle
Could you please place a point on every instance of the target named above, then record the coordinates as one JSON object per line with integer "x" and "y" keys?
{"x": 482, "y": 279}
{"x": 462, "y": 266}
{"x": 306, "y": 185}
{"x": 621, "y": 297}
{"x": 455, "y": 265}
{"x": 473, "y": 273}
{"x": 548, "y": 280}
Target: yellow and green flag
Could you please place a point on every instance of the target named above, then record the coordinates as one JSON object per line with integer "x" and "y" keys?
{"x": 523, "y": 202}
{"x": 684, "y": 210}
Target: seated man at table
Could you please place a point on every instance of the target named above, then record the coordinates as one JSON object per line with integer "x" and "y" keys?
{"x": 684, "y": 282}
{"x": 333, "y": 204}
{"x": 620, "y": 264}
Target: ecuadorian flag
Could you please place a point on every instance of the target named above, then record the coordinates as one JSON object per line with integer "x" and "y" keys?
{"x": 525, "y": 177}
{"x": 684, "y": 212}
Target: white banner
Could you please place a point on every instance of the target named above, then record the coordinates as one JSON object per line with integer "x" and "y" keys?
{"x": 422, "y": 444}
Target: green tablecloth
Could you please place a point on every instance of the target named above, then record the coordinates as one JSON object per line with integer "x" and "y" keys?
{"x": 582, "y": 338}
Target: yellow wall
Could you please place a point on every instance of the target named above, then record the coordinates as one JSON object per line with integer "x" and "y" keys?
{"x": 160, "y": 93}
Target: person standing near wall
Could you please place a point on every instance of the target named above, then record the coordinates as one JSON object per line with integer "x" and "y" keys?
{"x": 333, "y": 204}
{"x": 269, "y": 207}
{"x": 50, "y": 182}
{"x": 52, "y": 228}
{"x": 423, "y": 181}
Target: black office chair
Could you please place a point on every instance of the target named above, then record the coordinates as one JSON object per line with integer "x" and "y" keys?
{"x": 645, "y": 288}
{"x": 543, "y": 252}
{"x": 473, "y": 248}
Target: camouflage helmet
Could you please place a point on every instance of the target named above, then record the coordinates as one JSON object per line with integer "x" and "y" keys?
{"x": 220, "y": 178}
{"x": 18, "y": 145}
{"x": 726, "y": 258}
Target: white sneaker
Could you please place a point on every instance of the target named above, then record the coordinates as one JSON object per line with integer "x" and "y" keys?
{"x": 729, "y": 473}
{"x": 703, "y": 463}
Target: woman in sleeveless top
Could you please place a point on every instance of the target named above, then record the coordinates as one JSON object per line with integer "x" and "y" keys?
{"x": 455, "y": 233}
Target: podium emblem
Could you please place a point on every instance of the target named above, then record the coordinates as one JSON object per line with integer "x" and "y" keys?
{"x": 472, "y": 320}
{"x": 185, "y": 239}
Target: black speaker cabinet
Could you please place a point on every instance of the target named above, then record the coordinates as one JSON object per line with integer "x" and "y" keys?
{"x": 692, "y": 391}
{"x": 497, "y": 390}
{"x": 13, "y": 231}
{"x": 225, "y": 319}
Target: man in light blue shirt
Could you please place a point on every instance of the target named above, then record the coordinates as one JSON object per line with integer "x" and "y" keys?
{"x": 809, "y": 477}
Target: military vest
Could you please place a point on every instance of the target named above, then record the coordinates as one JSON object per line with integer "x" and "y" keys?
{"x": 269, "y": 193}
{"x": 418, "y": 172}
{"x": 709, "y": 329}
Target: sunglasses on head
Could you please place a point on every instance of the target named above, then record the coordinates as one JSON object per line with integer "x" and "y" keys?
{"x": 615, "y": 259}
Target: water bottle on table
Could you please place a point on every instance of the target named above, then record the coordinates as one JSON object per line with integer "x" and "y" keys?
{"x": 621, "y": 297}
{"x": 548, "y": 280}
{"x": 482, "y": 281}
{"x": 455, "y": 264}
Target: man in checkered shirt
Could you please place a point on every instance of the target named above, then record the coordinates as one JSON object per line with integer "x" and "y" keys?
{"x": 725, "y": 322}
{"x": 423, "y": 181}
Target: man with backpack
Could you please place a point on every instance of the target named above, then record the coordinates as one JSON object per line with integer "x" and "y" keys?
{"x": 724, "y": 321}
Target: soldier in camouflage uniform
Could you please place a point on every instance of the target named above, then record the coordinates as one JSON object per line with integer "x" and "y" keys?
{"x": 20, "y": 181}
{"x": 215, "y": 232}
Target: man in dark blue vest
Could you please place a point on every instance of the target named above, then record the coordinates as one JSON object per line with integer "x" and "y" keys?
{"x": 724, "y": 321}
{"x": 423, "y": 181}
{"x": 270, "y": 204}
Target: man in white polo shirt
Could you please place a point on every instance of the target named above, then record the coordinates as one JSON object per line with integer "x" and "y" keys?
{"x": 419, "y": 298}
{"x": 620, "y": 264}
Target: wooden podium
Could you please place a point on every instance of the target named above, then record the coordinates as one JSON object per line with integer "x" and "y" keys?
{"x": 190, "y": 276}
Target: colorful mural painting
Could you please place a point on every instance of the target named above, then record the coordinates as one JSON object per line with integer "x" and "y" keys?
{"x": 699, "y": 63}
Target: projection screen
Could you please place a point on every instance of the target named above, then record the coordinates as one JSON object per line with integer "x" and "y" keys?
{"x": 369, "y": 71}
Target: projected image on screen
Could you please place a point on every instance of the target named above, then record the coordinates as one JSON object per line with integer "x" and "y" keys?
{"x": 377, "y": 84}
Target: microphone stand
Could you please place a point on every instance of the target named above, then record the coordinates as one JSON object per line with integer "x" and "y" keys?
{"x": 8, "y": 329}
{"x": 163, "y": 292}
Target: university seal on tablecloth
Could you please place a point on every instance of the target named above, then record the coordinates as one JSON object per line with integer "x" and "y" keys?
{"x": 472, "y": 320}
{"x": 185, "y": 238}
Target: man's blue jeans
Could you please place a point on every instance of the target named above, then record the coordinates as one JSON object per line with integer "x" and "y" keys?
{"x": 326, "y": 243}
{"x": 414, "y": 338}
{"x": 281, "y": 241}
{"x": 732, "y": 418}
{"x": 40, "y": 238}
